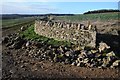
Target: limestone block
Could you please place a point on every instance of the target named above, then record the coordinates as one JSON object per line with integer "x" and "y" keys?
{"x": 72, "y": 25}
{"x": 82, "y": 27}
{"x": 89, "y": 27}
{"x": 78, "y": 27}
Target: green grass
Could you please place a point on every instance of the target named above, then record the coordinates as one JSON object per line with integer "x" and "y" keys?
{"x": 82, "y": 17}
{"x": 15, "y": 22}
{"x": 29, "y": 34}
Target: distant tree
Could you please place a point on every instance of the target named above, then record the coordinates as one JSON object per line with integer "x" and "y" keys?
{"x": 101, "y": 11}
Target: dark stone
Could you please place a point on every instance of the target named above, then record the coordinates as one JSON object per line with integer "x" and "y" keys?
{"x": 17, "y": 44}
{"x": 70, "y": 53}
{"x": 5, "y": 39}
{"x": 9, "y": 43}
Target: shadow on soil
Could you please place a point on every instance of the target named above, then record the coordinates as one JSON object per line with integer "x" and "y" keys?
{"x": 110, "y": 40}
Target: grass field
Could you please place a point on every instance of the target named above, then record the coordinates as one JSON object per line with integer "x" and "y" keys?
{"x": 75, "y": 18}
{"x": 83, "y": 17}
{"x": 29, "y": 34}
{"x": 15, "y": 22}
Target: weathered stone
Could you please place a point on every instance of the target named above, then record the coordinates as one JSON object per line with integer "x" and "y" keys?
{"x": 22, "y": 28}
{"x": 61, "y": 49}
{"x": 17, "y": 38}
{"x": 89, "y": 27}
{"x": 5, "y": 39}
{"x": 82, "y": 27}
{"x": 105, "y": 62}
{"x": 116, "y": 63}
{"x": 78, "y": 64}
{"x": 97, "y": 55}
{"x": 85, "y": 60}
{"x": 67, "y": 61}
{"x": 55, "y": 59}
{"x": 114, "y": 32}
{"x": 110, "y": 54}
{"x": 27, "y": 44}
{"x": 73, "y": 63}
{"x": 94, "y": 51}
{"x": 69, "y": 53}
{"x": 103, "y": 46}
{"x": 82, "y": 54}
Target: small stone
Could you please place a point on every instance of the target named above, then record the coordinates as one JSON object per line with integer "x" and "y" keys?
{"x": 85, "y": 60}
{"x": 99, "y": 67}
{"x": 69, "y": 53}
{"x": 114, "y": 32}
{"x": 27, "y": 44}
{"x": 13, "y": 70}
{"x": 55, "y": 59}
{"x": 49, "y": 47}
{"x": 22, "y": 66}
{"x": 103, "y": 46}
{"x": 17, "y": 38}
{"x": 61, "y": 49}
{"x": 66, "y": 48}
{"x": 67, "y": 61}
{"x": 5, "y": 39}
{"x": 35, "y": 69}
{"x": 94, "y": 51}
{"x": 91, "y": 65}
{"x": 116, "y": 63}
{"x": 110, "y": 54}
{"x": 74, "y": 39}
{"x": 73, "y": 63}
{"x": 97, "y": 55}
{"x": 105, "y": 62}
{"x": 98, "y": 59}
{"x": 78, "y": 64}
{"x": 22, "y": 28}
{"x": 23, "y": 47}
{"x": 82, "y": 54}
{"x": 91, "y": 69}
{"x": 79, "y": 48}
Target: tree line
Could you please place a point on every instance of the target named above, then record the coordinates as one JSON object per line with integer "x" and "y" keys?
{"x": 101, "y": 11}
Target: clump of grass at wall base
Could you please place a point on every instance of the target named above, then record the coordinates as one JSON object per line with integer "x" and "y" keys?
{"x": 29, "y": 34}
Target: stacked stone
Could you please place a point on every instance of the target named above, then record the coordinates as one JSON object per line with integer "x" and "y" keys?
{"x": 74, "y": 32}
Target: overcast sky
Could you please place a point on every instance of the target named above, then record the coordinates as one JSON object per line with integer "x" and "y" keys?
{"x": 45, "y": 7}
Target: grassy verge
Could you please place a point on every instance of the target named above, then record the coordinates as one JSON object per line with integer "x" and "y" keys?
{"x": 29, "y": 34}
{"x": 15, "y": 22}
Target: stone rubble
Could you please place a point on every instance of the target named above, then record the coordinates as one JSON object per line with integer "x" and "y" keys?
{"x": 78, "y": 57}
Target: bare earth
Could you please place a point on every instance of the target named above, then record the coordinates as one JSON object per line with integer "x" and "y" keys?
{"x": 17, "y": 65}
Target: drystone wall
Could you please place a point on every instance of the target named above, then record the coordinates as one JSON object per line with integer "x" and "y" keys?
{"x": 75, "y": 33}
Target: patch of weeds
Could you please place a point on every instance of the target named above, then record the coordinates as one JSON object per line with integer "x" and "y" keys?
{"x": 29, "y": 34}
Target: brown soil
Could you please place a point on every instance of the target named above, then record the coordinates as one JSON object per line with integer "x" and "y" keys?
{"x": 16, "y": 65}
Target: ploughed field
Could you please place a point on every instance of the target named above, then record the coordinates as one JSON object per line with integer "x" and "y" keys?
{"x": 28, "y": 55}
